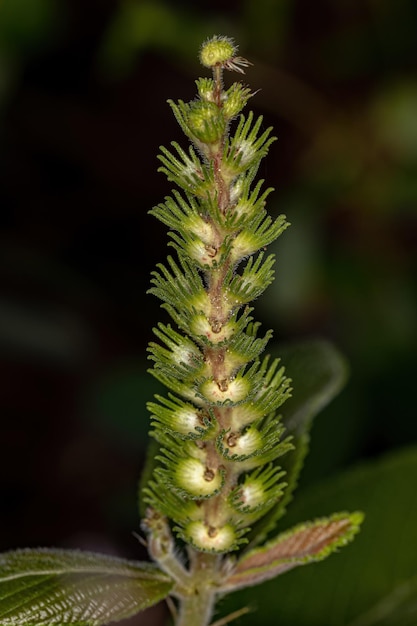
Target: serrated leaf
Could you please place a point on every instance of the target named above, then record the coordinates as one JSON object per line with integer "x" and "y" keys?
{"x": 318, "y": 372}
{"x": 45, "y": 587}
{"x": 306, "y": 543}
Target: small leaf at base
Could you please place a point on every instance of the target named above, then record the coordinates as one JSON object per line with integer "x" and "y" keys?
{"x": 308, "y": 542}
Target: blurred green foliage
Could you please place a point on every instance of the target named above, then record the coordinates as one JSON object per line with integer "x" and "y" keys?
{"x": 26, "y": 24}
{"x": 26, "y": 28}
{"x": 142, "y": 26}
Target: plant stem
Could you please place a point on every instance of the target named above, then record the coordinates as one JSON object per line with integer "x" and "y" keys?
{"x": 197, "y": 607}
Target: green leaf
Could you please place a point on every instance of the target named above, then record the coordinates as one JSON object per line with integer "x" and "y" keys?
{"x": 318, "y": 372}
{"x": 306, "y": 543}
{"x": 373, "y": 581}
{"x": 45, "y": 587}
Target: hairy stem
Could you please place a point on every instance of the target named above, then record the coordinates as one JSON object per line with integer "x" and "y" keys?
{"x": 196, "y": 608}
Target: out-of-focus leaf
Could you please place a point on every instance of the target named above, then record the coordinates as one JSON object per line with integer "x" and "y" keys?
{"x": 46, "y": 587}
{"x": 397, "y": 608}
{"x": 395, "y": 121}
{"x": 25, "y": 24}
{"x": 318, "y": 372}
{"x": 306, "y": 543}
{"x": 378, "y": 570}
{"x": 150, "y": 25}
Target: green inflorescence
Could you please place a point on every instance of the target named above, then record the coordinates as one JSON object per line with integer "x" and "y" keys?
{"x": 219, "y": 434}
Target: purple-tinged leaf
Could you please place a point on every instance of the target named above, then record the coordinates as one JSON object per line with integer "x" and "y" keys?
{"x": 305, "y": 543}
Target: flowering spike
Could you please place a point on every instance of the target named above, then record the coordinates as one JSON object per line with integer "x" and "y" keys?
{"x": 218, "y": 426}
{"x": 218, "y": 468}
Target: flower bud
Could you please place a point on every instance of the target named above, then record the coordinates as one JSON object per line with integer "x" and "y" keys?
{"x": 241, "y": 445}
{"x": 206, "y": 89}
{"x": 205, "y": 255}
{"x": 188, "y": 420}
{"x": 225, "y": 391}
{"x": 206, "y": 122}
{"x": 209, "y": 538}
{"x": 205, "y": 327}
{"x": 197, "y": 479}
{"x": 252, "y": 495}
{"x": 217, "y": 51}
{"x": 259, "y": 491}
{"x": 236, "y": 98}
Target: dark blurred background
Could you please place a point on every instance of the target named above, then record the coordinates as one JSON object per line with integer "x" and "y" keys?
{"x": 83, "y": 90}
